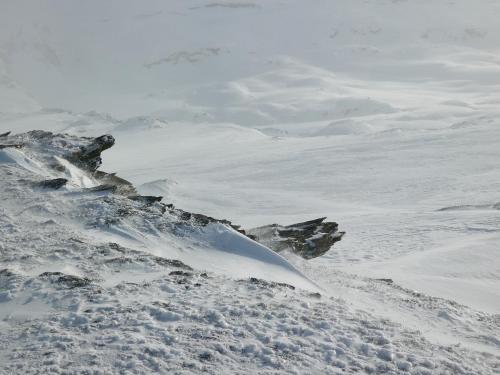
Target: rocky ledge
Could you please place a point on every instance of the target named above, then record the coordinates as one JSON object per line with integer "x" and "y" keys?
{"x": 309, "y": 239}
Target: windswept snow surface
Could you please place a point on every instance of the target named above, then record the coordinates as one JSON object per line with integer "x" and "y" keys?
{"x": 91, "y": 282}
{"x": 381, "y": 114}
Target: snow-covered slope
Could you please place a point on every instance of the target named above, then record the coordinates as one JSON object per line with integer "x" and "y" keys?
{"x": 42, "y": 156}
{"x": 381, "y": 114}
{"x": 91, "y": 281}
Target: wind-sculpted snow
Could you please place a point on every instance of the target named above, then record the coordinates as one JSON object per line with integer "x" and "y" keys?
{"x": 139, "y": 220}
{"x": 198, "y": 61}
{"x": 382, "y": 115}
{"x": 72, "y": 300}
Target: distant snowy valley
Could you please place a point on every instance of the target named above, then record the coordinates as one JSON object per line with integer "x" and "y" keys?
{"x": 383, "y": 116}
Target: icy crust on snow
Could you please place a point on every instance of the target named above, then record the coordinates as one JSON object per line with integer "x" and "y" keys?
{"x": 72, "y": 301}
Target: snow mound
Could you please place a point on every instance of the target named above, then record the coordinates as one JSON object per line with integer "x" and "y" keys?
{"x": 161, "y": 187}
{"x": 345, "y": 127}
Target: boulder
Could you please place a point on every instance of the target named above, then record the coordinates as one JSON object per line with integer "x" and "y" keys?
{"x": 309, "y": 239}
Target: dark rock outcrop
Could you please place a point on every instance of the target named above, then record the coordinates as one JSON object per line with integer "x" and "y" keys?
{"x": 89, "y": 156}
{"x": 146, "y": 199}
{"x": 171, "y": 263}
{"x": 101, "y": 188}
{"x": 14, "y": 145}
{"x": 267, "y": 284}
{"x": 123, "y": 186}
{"x": 309, "y": 239}
{"x": 200, "y": 219}
{"x": 55, "y": 183}
{"x": 69, "y": 281}
{"x": 3, "y": 135}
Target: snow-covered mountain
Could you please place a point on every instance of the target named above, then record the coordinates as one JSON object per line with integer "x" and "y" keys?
{"x": 381, "y": 115}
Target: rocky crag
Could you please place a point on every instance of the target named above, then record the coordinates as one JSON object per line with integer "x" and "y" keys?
{"x": 308, "y": 239}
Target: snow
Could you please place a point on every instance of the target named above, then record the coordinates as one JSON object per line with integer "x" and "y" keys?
{"x": 381, "y": 115}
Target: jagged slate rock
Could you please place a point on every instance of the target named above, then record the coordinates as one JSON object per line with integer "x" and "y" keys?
{"x": 55, "y": 183}
{"x": 96, "y": 189}
{"x": 308, "y": 224}
{"x": 3, "y": 135}
{"x": 146, "y": 199}
{"x": 124, "y": 187}
{"x": 69, "y": 281}
{"x": 267, "y": 284}
{"x": 89, "y": 156}
{"x": 387, "y": 281}
{"x": 309, "y": 239}
{"x": 180, "y": 273}
{"x": 172, "y": 263}
{"x": 16, "y": 145}
{"x": 98, "y": 145}
{"x": 41, "y": 134}
{"x": 165, "y": 262}
{"x": 315, "y": 295}
{"x": 119, "y": 260}
{"x": 200, "y": 219}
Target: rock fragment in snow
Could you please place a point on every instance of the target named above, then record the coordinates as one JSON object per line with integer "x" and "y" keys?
{"x": 171, "y": 263}
{"x": 200, "y": 219}
{"x": 309, "y": 239}
{"x": 146, "y": 199}
{"x": 123, "y": 186}
{"x": 14, "y": 145}
{"x": 268, "y": 284}
{"x": 3, "y": 135}
{"x": 99, "y": 188}
{"x": 180, "y": 273}
{"x": 55, "y": 183}
{"x": 69, "y": 281}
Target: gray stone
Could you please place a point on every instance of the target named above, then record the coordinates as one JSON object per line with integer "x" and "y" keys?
{"x": 309, "y": 239}
{"x": 55, "y": 183}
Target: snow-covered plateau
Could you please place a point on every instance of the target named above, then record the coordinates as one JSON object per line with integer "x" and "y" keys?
{"x": 380, "y": 115}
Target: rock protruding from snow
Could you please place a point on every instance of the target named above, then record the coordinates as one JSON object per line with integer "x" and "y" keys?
{"x": 309, "y": 239}
{"x": 89, "y": 156}
{"x": 13, "y": 145}
{"x": 55, "y": 183}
